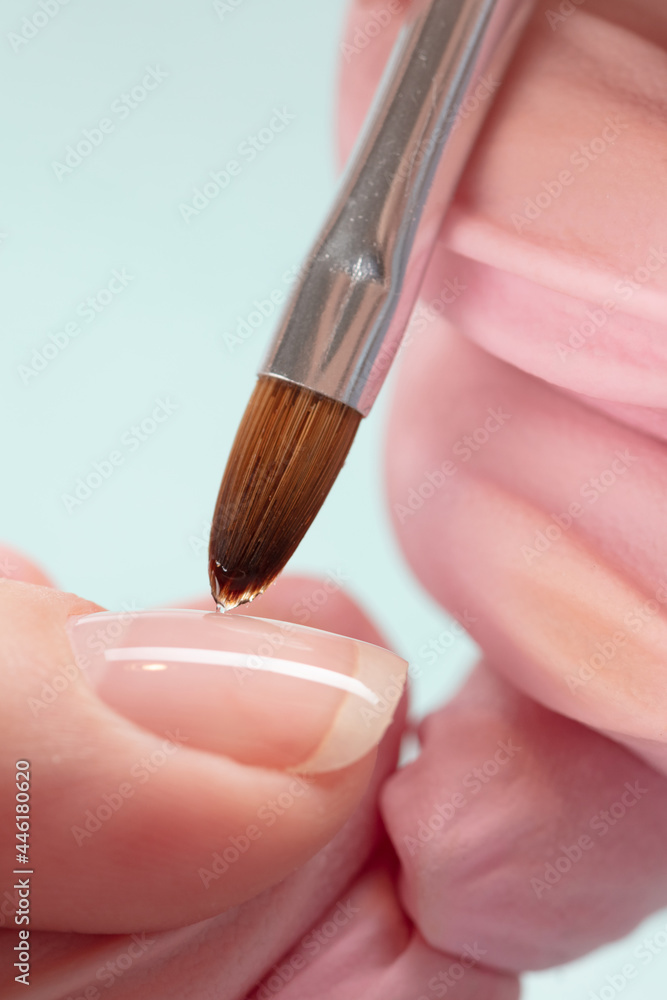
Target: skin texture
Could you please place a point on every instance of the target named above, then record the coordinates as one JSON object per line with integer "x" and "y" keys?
{"x": 531, "y": 828}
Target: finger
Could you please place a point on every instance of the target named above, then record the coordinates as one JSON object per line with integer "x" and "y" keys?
{"x": 524, "y": 831}
{"x": 360, "y": 942}
{"x": 237, "y": 952}
{"x": 235, "y": 949}
{"x": 364, "y": 947}
{"x": 116, "y": 805}
{"x": 552, "y": 256}
{"x": 554, "y": 233}
{"x": 542, "y": 520}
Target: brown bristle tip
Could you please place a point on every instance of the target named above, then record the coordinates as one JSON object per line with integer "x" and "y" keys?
{"x": 289, "y": 448}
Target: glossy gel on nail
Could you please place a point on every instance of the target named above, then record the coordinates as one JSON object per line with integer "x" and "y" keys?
{"x": 266, "y": 693}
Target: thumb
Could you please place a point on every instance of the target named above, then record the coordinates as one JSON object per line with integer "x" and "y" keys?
{"x": 222, "y": 778}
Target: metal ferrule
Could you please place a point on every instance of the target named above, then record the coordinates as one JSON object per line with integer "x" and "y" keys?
{"x": 344, "y": 323}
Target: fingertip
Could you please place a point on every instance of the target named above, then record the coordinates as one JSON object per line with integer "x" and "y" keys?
{"x": 509, "y": 800}
{"x": 122, "y": 803}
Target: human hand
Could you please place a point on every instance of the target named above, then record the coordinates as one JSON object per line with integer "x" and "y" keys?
{"x": 528, "y": 496}
{"x": 162, "y": 806}
{"x": 465, "y": 542}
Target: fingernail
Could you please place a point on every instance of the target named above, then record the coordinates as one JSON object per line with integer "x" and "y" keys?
{"x": 265, "y": 693}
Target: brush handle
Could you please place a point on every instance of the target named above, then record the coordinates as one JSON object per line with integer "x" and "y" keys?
{"x": 344, "y": 324}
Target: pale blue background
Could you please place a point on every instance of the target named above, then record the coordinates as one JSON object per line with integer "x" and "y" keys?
{"x": 134, "y": 540}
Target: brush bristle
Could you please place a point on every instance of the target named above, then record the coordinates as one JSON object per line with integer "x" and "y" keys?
{"x": 288, "y": 451}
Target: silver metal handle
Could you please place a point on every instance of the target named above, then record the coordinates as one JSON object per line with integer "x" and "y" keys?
{"x": 344, "y": 323}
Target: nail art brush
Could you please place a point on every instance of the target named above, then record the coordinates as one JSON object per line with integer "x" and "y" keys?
{"x": 344, "y": 323}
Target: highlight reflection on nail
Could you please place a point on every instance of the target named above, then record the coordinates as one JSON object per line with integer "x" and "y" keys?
{"x": 265, "y": 693}
{"x": 243, "y": 661}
